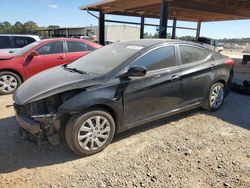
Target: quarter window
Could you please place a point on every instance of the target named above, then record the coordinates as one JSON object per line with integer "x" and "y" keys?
{"x": 160, "y": 58}
{"x": 5, "y": 42}
{"x": 22, "y": 41}
{"x": 190, "y": 54}
{"x": 76, "y": 46}
{"x": 51, "y": 48}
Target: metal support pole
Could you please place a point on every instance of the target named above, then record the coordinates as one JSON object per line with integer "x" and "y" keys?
{"x": 174, "y": 29}
{"x": 163, "y": 19}
{"x": 102, "y": 28}
{"x": 67, "y": 33}
{"x": 142, "y": 27}
{"x": 198, "y": 31}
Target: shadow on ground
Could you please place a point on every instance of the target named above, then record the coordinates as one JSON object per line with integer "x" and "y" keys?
{"x": 16, "y": 154}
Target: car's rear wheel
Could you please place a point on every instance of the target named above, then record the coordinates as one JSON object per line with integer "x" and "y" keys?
{"x": 216, "y": 97}
{"x": 90, "y": 132}
{"x": 9, "y": 82}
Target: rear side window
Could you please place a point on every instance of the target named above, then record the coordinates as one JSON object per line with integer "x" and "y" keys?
{"x": 90, "y": 48}
{"x": 20, "y": 42}
{"x": 51, "y": 48}
{"x": 74, "y": 46}
{"x": 160, "y": 58}
{"x": 190, "y": 54}
{"x": 4, "y": 42}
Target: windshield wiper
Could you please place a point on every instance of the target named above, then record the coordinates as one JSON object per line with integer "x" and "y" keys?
{"x": 65, "y": 66}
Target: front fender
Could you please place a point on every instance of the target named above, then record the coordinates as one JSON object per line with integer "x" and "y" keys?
{"x": 106, "y": 96}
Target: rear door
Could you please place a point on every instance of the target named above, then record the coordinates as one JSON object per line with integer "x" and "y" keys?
{"x": 197, "y": 68}
{"x": 156, "y": 93}
{"x": 20, "y": 42}
{"x": 75, "y": 50}
{"x": 50, "y": 55}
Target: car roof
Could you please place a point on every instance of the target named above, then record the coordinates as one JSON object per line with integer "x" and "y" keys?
{"x": 153, "y": 42}
{"x": 19, "y": 35}
{"x": 58, "y": 39}
{"x": 71, "y": 39}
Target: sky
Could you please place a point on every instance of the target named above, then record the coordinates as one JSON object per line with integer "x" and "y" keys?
{"x": 66, "y": 13}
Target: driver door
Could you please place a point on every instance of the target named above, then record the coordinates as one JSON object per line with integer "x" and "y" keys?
{"x": 157, "y": 93}
{"x": 49, "y": 55}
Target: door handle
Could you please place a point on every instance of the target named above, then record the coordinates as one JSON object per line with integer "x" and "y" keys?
{"x": 212, "y": 66}
{"x": 175, "y": 78}
{"x": 60, "y": 58}
{"x": 156, "y": 77}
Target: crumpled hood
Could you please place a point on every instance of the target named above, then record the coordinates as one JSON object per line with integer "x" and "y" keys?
{"x": 51, "y": 82}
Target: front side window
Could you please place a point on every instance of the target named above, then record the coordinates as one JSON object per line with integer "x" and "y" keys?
{"x": 190, "y": 54}
{"x": 160, "y": 58}
{"x": 4, "y": 42}
{"x": 51, "y": 48}
{"x": 22, "y": 41}
{"x": 76, "y": 46}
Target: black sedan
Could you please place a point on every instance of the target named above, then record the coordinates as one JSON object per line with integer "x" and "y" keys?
{"x": 118, "y": 87}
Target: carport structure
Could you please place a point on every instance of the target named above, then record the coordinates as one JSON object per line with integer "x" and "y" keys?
{"x": 185, "y": 10}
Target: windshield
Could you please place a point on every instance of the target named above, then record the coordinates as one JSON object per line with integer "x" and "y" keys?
{"x": 105, "y": 59}
{"x": 21, "y": 51}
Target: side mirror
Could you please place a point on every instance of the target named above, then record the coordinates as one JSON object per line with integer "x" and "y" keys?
{"x": 136, "y": 72}
{"x": 34, "y": 53}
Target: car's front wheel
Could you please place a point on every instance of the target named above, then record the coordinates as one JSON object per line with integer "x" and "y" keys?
{"x": 216, "y": 97}
{"x": 90, "y": 132}
{"x": 9, "y": 82}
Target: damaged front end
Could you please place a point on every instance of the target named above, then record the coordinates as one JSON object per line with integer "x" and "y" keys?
{"x": 41, "y": 120}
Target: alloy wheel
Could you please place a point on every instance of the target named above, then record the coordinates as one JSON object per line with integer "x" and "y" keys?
{"x": 217, "y": 96}
{"x": 94, "y": 133}
{"x": 8, "y": 83}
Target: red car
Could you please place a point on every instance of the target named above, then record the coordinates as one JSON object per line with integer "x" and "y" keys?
{"x": 18, "y": 66}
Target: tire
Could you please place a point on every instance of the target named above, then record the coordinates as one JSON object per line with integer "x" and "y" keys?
{"x": 85, "y": 137}
{"x": 216, "y": 94}
{"x": 9, "y": 82}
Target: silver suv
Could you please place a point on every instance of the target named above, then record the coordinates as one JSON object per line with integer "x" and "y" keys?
{"x": 12, "y": 42}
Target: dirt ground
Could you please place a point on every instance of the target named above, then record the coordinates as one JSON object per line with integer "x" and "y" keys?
{"x": 194, "y": 149}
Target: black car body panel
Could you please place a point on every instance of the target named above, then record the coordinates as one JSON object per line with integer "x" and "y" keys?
{"x": 38, "y": 87}
{"x": 130, "y": 100}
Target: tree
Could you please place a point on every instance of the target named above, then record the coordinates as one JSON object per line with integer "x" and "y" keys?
{"x": 18, "y": 28}
{"x": 30, "y": 27}
{"x": 187, "y": 38}
{"x": 5, "y": 27}
{"x": 53, "y": 27}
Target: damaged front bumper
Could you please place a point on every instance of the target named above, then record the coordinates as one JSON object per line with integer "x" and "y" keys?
{"x": 39, "y": 127}
{"x": 28, "y": 124}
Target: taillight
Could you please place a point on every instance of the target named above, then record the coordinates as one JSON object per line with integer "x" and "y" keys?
{"x": 229, "y": 62}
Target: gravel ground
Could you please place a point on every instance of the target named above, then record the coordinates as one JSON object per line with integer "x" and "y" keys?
{"x": 194, "y": 149}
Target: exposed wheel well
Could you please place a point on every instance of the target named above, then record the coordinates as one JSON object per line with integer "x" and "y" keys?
{"x": 227, "y": 86}
{"x": 13, "y": 71}
{"x": 109, "y": 110}
{"x": 223, "y": 82}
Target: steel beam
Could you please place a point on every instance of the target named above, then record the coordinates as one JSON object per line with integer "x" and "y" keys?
{"x": 101, "y": 28}
{"x": 163, "y": 19}
{"x": 174, "y": 29}
{"x": 198, "y": 31}
{"x": 142, "y": 27}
